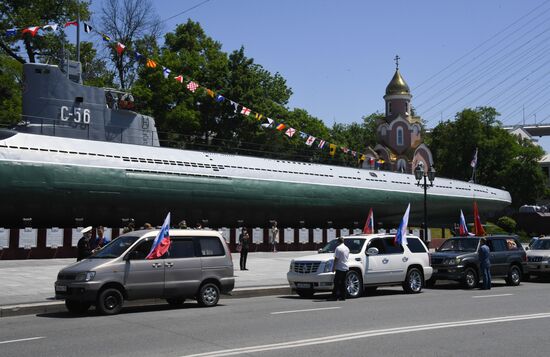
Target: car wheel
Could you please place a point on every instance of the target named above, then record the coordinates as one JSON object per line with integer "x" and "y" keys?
{"x": 413, "y": 282}
{"x": 109, "y": 302}
{"x": 470, "y": 278}
{"x": 354, "y": 284}
{"x": 305, "y": 293}
{"x": 209, "y": 295}
{"x": 77, "y": 307}
{"x": 175, "y": 301}
{"x": 430, "y": 283}
{"x": 514, "y": 276}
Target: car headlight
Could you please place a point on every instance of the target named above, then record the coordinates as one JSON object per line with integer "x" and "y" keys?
{"x": 291, "y": 265}
{"x": 86, "y": 276}
{"x": 452, "y": 261}
{"x": 328, "y": 266}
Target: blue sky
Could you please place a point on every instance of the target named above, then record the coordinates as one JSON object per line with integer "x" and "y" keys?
{"x": 337, "y": 56}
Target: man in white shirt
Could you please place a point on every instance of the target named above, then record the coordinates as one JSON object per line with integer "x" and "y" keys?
{"x": 340, "y": 267}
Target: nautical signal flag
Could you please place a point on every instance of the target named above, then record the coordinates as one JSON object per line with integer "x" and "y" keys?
{"x": 105, "y": 37}
{"x": 290, "y": 132}
{"x": 71, "y": 23}
{"x": 151, "y": 64}
{"x": 120, "y": 48}
{"x": 87, "y": 28}
{"x": 32, "y": 30}
{"x": 11, "y": 32}
{"x": 52, "y": 27}
{"x": 369, "y": 224}
{"x": 478, "y": 227}
{"x": 332, "y": 149}
{"x": 462, "y": 228}
{"x": 401, "y": 236}
{"x": 310, "y": 140}
{"x": 192, "y": 86}
{"x": 161, "y": 244}
{"x": 280, "y": 127}
{"x": 258, "y": 116}
{"x": 219, "y": 98}
{"x": 268, "y": 124}
{"x": 179, "y": 78}
{"x": 166, "y": 72}
{"x": 321, "y": 144}
{"x": 245, "y": 111}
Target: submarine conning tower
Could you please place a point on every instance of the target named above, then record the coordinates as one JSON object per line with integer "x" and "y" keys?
{"x": 56, "y": 104}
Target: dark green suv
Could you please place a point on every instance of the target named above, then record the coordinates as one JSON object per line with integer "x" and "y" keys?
{"x": 457, "y": 259}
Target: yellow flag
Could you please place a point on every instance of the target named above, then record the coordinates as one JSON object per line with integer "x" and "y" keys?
{"x": 151, "y": 64}
{"x": 332, "y": 149}
{"x": 210, "y": 93}
{"x": 258, "y": 116}
{"x": 362, "y": 158}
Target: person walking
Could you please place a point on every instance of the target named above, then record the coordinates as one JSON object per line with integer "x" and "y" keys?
{"x": 485, "y": 264}
{"x": 340, "y": 268}
{"x": 84, "y": 245}
{"x": 274, "y": 236}
{"x": 244, "y": 242}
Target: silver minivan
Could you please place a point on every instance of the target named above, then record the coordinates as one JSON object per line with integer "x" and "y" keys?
{"x": 198, "y": 265}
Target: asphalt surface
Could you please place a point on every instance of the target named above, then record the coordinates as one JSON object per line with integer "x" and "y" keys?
{"x": 27, "y": 286}
{"x": 444, "y": 321}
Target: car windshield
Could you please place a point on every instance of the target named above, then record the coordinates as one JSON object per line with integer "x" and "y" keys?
{"x": 541, "y": 244}
{"x": 459, "y": 245}
{"x": 354, "y": 245}
{"x": 116, "y": 247}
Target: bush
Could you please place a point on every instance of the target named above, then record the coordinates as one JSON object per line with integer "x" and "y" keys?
{"x": 507, "y": 223}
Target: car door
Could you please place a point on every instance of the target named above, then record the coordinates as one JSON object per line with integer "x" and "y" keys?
{"x": 215, "y": 263}
{"x": 182, "y": 268}
{"x": 387, "y": 265}
{"x": 143, "y": 278}
{"x": 498, "y": 256}
{"x": 395, "y": 255}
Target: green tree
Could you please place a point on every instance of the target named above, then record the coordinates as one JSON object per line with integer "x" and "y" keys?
{"x": 10, "y": 90}
{"x": 503, "y": 160}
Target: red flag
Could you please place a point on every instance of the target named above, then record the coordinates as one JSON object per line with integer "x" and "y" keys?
{"x": 32, "y": 30}
{"x": 478, "y": 228}
{"x": 369, "y": 224}
{"x": 71, "y": 23}
{"x": 179, "y": 78}
{"x": 120, "y": 48}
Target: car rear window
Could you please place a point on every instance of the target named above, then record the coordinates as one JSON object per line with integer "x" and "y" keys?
{"x": 211, "y": 246}
{"x": 415, "y": 245}
{"x": 182, "y": 248}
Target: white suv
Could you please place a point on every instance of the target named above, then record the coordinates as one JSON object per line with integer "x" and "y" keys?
{"x": 374, "y": 260}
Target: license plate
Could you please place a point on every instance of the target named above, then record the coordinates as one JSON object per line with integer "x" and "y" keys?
{"x": 303, "y": 286}
{"x": 61, "y": 288}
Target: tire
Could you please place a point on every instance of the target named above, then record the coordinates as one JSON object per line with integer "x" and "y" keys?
{"x": 370, "y": 290}
{"x": 414, "y": 281}
{"x": 109, "y": 302}
{"x": 430, "y": 283}
{"x": 514, "y": 276}
{"x": 175, "y": 301}
{"x": 471, "y": 279}
{"x": 305, "y": 293}
{"x": 77, "y": 307}
{"x": 354, "y": 284}
{"x": 209, "y": 295}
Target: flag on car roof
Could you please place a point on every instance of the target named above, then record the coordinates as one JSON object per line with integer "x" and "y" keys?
{"x": 161, "y": 244}
{"x": 369, "y": 224}
{"x": 462, "y": 228}
{"x": 478, "y": 227}
{"x": 401, "y": 236}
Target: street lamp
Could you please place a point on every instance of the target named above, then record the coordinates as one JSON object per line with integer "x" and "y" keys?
{"x": 419, "y": 173}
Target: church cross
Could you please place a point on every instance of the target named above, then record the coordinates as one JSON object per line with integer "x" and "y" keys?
{"x": 397, "y": 61}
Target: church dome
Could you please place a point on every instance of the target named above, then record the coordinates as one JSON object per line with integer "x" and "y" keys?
{"x": 397, "y": 85}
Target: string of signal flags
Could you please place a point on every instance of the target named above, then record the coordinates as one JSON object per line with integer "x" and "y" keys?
{"x": 193, "y": 86}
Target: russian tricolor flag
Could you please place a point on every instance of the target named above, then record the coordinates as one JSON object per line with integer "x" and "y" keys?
{"x": 162, "y": 241}
{"x": 401, "y": 236}
{"x": 369, "y": 224}
{"x": 462, "y": 228}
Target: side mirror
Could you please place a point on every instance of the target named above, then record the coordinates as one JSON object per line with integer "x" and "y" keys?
{"x": 372, "y": 251}
{"x": 526, "y": 248}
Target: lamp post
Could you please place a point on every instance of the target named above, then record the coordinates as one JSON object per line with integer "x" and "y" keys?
{"x": 419, "y": 173}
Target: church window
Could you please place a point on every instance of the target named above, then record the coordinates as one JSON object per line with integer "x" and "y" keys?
{"x": 400, "y": 136}
{"x": 389, "y": 107}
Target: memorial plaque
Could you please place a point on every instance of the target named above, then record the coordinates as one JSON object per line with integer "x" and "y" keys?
{"x": 257, "y": 235}
{"x": 4, "y": 238}
{"x": 331, "y": 234}
{"x": 318, "y": 235}
{"x": 54, "y": 237}
{"x": 289, "y": 235}
{"x": 304, "y": 235}
{"x": 27, "y": 238}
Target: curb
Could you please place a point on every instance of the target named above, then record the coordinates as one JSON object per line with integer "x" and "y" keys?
{"x": 59, "y": 306}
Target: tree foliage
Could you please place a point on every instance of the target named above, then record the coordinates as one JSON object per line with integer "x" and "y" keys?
{"x": 10, "y": 90}
{"x": 504, "y": 161}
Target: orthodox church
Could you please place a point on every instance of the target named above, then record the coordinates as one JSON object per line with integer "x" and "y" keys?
{"x": 400, "y": 147}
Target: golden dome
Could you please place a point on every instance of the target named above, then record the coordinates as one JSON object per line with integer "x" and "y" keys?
{"x": 397, "y": 85}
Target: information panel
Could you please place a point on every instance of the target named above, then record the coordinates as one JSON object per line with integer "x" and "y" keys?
{"x": 28, "y": 238}
{"x": 257, "y": 235}
{"x": 331, "y": 234}
{"x": 76, "y": 235}
{"x": 4, "y": 238}
{"x": 318, "y": 235}
{"x": 344, "y": 232}
{"x": 304, "y": 235}
{"x": 289, "y": 235}
{"x": 54, "y": 237}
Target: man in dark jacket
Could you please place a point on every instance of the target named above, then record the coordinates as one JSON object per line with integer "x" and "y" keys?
{"x": 84, "y": 245}
{"x": 485, "y": 264}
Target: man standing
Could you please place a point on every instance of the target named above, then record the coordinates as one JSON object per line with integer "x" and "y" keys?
{"x": 485, "y": 264}
{"x": 274, "y": 236}
{"x": 100, "y": 240}
{"x": 244, "y": 241}
{"x": 340, "y": 267}
{"x": 84, "y": 245}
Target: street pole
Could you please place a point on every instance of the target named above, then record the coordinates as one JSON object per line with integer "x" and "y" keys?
{"x": 426, "y": 211}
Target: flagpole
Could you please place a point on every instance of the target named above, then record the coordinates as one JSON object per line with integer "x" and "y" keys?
{"x": 78, "y": 31}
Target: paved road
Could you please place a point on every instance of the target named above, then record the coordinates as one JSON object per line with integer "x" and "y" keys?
{"x": 30, "y": 281}
{"x": 445, "y": 321}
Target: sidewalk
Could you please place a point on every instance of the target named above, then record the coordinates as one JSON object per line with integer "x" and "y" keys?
{"x": 31, "y": 282}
